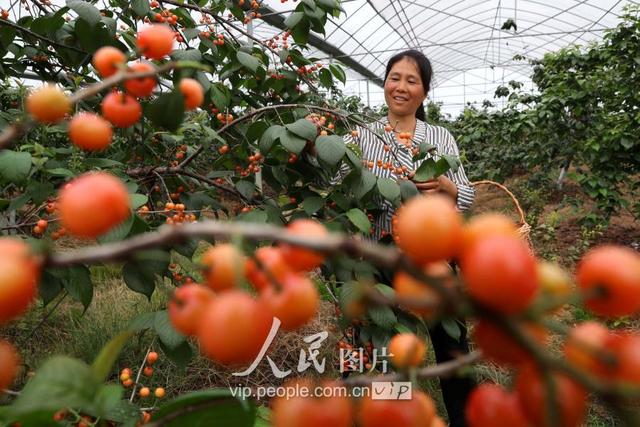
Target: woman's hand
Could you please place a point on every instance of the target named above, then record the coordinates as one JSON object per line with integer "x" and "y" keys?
{"x": 442, "y": 184}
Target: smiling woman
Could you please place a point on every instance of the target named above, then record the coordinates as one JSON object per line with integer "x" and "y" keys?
{"x": 389, "y": 147}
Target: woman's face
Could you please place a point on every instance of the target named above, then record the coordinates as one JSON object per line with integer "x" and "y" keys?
{"x": 403, "y": 89}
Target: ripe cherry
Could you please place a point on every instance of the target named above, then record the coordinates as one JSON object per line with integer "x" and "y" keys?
{"x": 90, "y": 132}
{"x": 107, "y": 59}
{"x": 121, "y": 109}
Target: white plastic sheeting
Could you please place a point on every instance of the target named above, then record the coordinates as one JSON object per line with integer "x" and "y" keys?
{"x": 469, "y": 42}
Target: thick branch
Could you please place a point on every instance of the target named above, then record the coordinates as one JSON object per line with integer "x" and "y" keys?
{"x": 168, "y": 235}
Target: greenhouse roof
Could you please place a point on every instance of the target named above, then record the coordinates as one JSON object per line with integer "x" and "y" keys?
{"x": 471, "y": 43}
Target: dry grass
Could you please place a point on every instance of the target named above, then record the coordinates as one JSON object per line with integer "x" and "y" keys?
{"x": 70, "y": 331}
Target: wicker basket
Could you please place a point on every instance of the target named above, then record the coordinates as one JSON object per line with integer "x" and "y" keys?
{"x": 523, "y": 227}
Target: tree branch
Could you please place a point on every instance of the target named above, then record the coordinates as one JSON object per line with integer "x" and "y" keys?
{"x": 49, "y": 41}
{"x": 223, "y": 21}
{"x": 19, "y": 127}
{"x": 440, "y": 370}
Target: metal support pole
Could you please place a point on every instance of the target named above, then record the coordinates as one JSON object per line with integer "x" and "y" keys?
{"x": 464, "y": 88}
{"x": 368, "y": 95}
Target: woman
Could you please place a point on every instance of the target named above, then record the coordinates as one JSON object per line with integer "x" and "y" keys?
{"x": 406, "y": 84}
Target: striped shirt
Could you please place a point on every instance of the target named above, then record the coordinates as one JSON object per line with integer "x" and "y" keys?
{"x": 399, "y": 155}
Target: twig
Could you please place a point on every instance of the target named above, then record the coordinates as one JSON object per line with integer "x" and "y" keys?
{"x": 46, "y": 316}
{"x": 135, "y": 383}
{"x": 164, "y": 185}
{"x": 138, "y": 172}
{"x": 440, "y": 370}
{"x": 223, "y": 21}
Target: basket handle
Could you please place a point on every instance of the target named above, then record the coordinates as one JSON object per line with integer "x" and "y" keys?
{"x": 506, "y": 190}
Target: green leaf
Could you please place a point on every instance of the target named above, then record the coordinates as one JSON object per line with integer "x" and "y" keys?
{"x": 103, "y": 363}
{"x": 312, "y": 204}
{"x": 385, "y": 290}
{"x": 329, "y": 3}
{"x": 354, "y": 160}
{"x": 220, "y": 95}
{"x": 140, "y": 7}
{"x": 262, "y": 417}
{"x": 325, "y": 78}
{"x": 77, "y": 282}
{"x": 49, "y": 287}
{"x": 426, "y": 171}
{"x": 18, "y": 202}
{"x": 140, "y": 273}
{"x": 142, "y": 321}
{"x": 255, "y": 215}
{"x": 303, "y": 128}
{"x": 338, "y": 72}
{"x": 389, "y": 189}
{"x": 190, "y": 33}
{"x": 349, "y": 293}
{"x": 217, "y": 407}
{"x": 300, "y": 32}
{"x": 110, "y": 24}
{"x": 426, "y": 148}
{"x": 330, "y": 149}
{"x": 293, "y": 19}
{"x": 136, "y": 280}
{"x": 39, "y": 191}
{"x": 442, "y": 165}
{"x": 186, "y": 55}
{"x": 269, "y": 136}
{"x": 185, "y": 16}
{"x": 249, "y": 61}
{"x": 61, "y": 382}
{"x": 47, "y": 25}
{"x": 119, "y": 232}
{"x": 402, "y": 329}
{"x": 138, "y": 200}
{"x": 167, "y": 110}
{"x": 256, "y": 130}
{"x": 180, "y": 355}
{"x": 101, "y": 163}
{"x": 292, "y": 143}
{"x": 15, "y": 166}
{"x": 383, "y": 316}
{"x": 365, "y": 181}
{"x": 187, "y": 248}
{"x": 63, "y": 172}
{"x": 246, "y": 188}
{"x": 408, "y": 189}
{"x": 453, "y": 161}
{"x": 123, "y": 412}
{"x": 359, "y": 219}
{"x": 85, "y": 10}
{"x": 380, "y": 337}
{"x": 165, "y": 330}
{"x": 452, "y": 328}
